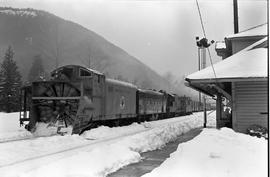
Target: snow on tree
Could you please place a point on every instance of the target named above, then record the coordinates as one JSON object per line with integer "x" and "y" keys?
{"x": 10, "y": 83}
{"x": 37, "y": 70}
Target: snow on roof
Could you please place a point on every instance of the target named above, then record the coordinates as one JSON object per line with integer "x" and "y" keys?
{"x": 251, "y": 62}
{"x": 18, "y": 12}
{"x": 260, "y": 30}
{"x": 117, "y": 82}
{"x": 77, "y": 66}
{"x": 153, "y": 92}
{"x": 94, "y": 71}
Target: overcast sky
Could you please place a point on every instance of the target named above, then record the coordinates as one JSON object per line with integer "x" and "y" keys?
{"x": 161, "y": 34}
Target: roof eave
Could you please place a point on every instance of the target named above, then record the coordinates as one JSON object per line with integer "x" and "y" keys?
{"x": 245, "y": 37}
{"x": 236, "y": 79}
{"x": 188, "y": 84}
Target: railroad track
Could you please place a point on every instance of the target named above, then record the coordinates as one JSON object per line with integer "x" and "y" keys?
{"x": 24, "y": 139}
{"x": 18, "y": 139}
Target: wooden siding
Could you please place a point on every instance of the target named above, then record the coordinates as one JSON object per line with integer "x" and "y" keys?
{"x": 250, "y": 100}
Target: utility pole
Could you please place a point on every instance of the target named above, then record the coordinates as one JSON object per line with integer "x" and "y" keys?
{"x": 199, "y": 62}
{"x": 202, "y": 46}
{"x": 235, "y": 16}
{"x": 203, "y": 51}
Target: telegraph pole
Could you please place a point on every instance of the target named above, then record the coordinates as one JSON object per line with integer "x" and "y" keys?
{"x": 202, "y": 46}
{"x": 235, "y": 16}
{"x": 203, "y": 50}
{"x": 199, "y": 62}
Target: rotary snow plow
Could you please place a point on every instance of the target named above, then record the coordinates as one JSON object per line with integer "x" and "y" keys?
{"x": 73, "y": 98}
{"x": 50, "y": 102}
{"x": 64, "y": 102}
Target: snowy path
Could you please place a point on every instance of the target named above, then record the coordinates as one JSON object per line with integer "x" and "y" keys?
{"x": 111, "y": 149}
{"x": 153, "y": 159}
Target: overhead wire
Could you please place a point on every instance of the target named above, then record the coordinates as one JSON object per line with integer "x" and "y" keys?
{"x": 204, "y": 33}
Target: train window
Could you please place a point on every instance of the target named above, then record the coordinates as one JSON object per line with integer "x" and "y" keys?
{"x": 63, "y": 73}
{"x": 84, "y": 73}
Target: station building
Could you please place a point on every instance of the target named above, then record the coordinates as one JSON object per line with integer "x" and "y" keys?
{"x": 241, "y": 80}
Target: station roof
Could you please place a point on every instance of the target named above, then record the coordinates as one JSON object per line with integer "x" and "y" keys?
{"x": 251, "y": 62}
{"x": 260, "y": 30}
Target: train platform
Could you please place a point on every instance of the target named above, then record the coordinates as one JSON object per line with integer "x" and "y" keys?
{"x": 153, "y": 159}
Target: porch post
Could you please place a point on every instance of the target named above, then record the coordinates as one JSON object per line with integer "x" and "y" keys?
{"x": 218, "y": 109}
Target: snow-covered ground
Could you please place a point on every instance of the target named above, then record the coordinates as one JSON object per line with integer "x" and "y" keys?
{"x": 97, "y": 152}
{"x": 104, "y": 150}
{"x": 222, "y": 153}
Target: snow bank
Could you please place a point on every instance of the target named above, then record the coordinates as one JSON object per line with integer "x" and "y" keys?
{"x": 9, "y": 122}
{"x": 112, "y": 155}
{"x": 10, "y": 127}
{"x": 217, "y": 153}
{"x": 159, "y": 136}
{"x": 108, "y": 132}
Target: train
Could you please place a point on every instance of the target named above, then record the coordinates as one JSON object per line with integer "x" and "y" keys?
{"x": 83, "y": 98}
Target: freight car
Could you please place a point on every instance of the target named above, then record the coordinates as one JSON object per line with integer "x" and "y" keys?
{"x": 82, "y": 98}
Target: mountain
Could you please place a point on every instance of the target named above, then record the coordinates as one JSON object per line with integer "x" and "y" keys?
{"x": 60, "y": 42}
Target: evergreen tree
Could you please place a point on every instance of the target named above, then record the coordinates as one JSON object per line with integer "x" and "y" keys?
{"x": 37, "y": 70}
{"x": 10, "y": 83}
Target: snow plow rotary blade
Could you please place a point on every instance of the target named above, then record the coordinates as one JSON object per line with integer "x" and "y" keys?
{"x": 56, "y": 104}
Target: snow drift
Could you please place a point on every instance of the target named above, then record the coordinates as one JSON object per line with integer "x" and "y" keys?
{"x": 217, "y": 153}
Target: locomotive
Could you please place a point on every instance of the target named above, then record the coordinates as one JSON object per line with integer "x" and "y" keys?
{"x": 83, "y": 98}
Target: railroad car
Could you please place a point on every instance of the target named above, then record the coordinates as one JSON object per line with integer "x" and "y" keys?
{"x": 82, "y": 98}
{"x": 151, "y": 104}
{"x": 178, "y": 106}
{"x": 120, "y": 100}
{"x": 171, "y": 107}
